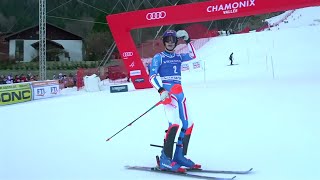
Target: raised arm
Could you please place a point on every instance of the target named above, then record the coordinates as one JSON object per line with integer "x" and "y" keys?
{"x": 191, "y": 54}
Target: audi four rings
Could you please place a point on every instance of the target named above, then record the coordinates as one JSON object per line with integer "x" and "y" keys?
{"x": 127, "y": 54}
{"x": 156, "y": 15}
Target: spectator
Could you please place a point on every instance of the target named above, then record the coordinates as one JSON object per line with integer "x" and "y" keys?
{"x": 32, "y": 78}
{"x": 9, "y": 80}
{"x": 75, "y": 79}
{"x": 23, "y": 78}
{"x": 16, "y": 79}
{"x": 2, "y": 79}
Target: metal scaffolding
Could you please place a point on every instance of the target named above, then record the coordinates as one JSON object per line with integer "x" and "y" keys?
{"x": 42, "y": 40}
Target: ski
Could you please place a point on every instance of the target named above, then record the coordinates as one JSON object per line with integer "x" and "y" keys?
{"x": 157, "y": 170}
{"x": 220, "y": 171}
{"x": 212, "y": 170}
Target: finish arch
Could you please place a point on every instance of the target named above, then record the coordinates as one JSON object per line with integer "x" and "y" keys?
{"x": 121, "y": 24}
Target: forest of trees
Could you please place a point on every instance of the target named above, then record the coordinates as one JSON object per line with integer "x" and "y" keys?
{"x": 86, "y": 18}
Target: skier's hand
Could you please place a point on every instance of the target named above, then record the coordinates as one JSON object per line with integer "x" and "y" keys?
{"x": 164, "y": 96}
{"x": 183, "y": 34}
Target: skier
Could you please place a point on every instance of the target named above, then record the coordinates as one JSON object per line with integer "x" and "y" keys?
{"x": 231, "y": 59}
{"x": 168, "y": 65}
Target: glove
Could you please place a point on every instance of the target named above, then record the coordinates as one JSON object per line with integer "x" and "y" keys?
{"x": 183, "y": 34}
{"x": 164, "y": 96}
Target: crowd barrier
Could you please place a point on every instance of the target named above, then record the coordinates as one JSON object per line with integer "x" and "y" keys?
{"x": 24, "y": 92}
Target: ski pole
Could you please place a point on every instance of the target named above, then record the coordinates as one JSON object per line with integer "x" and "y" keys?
{"x": 155, "y": 145}
{"x": 176, "y": 89}
{"x": 158, "y": 103}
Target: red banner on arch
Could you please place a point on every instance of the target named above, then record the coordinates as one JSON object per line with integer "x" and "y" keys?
{"x": 121, "y": 24}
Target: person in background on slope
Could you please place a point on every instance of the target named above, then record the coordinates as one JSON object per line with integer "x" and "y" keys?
{"x": 231, "y": 59}
{"x": 167, "y": 65}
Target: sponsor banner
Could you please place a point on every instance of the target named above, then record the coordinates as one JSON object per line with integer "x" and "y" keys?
{"x": 14, "y": 86}
{"x": 231, "y": 8}
{"x": 44, "y": 83}
{"x": 15, "y": 93}
{"x": 120, "y": 88}
{"x": 139, "y": 80}
{"x": 135, "y": 73}
{"x": 185, "y": 67}
{"x": 43, "y": 92}
{"x": 45, "y": 89}
{"x": 171, "y": 78}
{"x": 196, "y": 65}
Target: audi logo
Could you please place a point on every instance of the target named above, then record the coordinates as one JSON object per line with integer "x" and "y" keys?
{"x": 156, "y": 15}
{"x": 127, "y": 54}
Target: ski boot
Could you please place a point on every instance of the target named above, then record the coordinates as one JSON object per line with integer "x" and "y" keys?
{"x": 183, "y": 161}
{"x": 165, "y": 163}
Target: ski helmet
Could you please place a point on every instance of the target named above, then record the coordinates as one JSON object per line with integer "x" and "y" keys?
{"x": 170, "y": 35}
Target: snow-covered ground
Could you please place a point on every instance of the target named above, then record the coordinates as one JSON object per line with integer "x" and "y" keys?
{"x": 300, "y": 17}
{"x": 262, "y": 113}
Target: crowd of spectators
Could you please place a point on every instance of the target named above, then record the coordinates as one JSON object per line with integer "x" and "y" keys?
{"x": 10, "y": 79}
{"x": 65, "y": 80}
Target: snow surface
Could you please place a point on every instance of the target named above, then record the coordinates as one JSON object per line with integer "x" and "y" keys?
{"x": 262, "y": 113}
{"x": 300, "y": 17}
